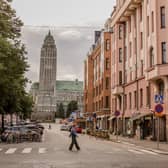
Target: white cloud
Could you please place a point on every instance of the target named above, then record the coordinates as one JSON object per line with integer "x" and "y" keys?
{"x": 69, "y": 34}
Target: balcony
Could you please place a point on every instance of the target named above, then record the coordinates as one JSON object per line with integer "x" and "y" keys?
{"x": 117, "y": 90}
{"x": 157, "y": 71}
{"x": 127, "y": 9}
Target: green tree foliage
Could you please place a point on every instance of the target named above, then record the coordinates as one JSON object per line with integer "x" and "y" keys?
{"x": 72, "y": 106}
{"x": 13, "y": 63}
{"x": 61, "y": 111}
{"x": 26, "y": 106}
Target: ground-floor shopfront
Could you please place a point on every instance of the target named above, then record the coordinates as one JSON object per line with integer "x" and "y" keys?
{"x": 142, "y": 126}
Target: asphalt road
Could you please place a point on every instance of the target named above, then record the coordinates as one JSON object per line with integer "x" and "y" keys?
{"x": 95, "y": 153}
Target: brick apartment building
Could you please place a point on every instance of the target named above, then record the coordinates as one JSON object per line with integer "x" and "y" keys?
{"x": 97, "y": 81}
{"x": 139, "y": 67}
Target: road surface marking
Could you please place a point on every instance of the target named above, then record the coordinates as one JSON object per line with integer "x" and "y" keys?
{"x": 11, "y": 151}
{"x": 150, "y": 152}
{"x": 135, "y": 151}
{"x": 27, "y": 150}
{"x": 42, "y": 150}
{"x": 0, "y": 149}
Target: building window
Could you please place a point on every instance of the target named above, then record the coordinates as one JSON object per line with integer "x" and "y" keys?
{"x": 120, "y": 77}
{"x": 120, "y": 54}
{"x": 130, "y": 100}
{"x": 125, "y": 77}
{"x": 148, "y": 25}
{"x": 161, "y": 87}
{"x": 107, "y": 45}
{"x": 147, "y": 96}
{"x": 141, "y": 40}
{"x": 140, "y": 13}
{"x": 164, "y": 61}
{"x": 131, "y": 75}
{"x": 107, "y": 63}
{"x": 125, "y": 99}
{"x": 135, "y": 99}
{"x": 107, "y": 82}
{"x": 130, "y": 46}
{"x": 107, "y": 101}
{"x": 163, "y": 17}
{"x": 152, "y": 21}
{"x": 120, "y": 31}
{"x": 142, "y": 71}
{"x": 151, "y": 57}
{"x": 141, "y": 97}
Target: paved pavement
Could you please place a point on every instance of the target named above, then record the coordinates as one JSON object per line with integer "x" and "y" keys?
{"x": 147, "y": 144}
{"x": 95, "y": 153}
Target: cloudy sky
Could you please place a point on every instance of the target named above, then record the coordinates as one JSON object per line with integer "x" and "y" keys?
{"x": 72, "y": 23}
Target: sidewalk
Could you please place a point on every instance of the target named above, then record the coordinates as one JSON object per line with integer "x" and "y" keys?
{"x": 147, "y": 144}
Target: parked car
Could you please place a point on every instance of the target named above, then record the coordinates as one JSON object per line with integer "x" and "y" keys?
{"x": 64, "y": 127}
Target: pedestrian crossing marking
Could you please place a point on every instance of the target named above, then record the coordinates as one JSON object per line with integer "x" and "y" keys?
{"x": 27, "y": 150}
{"x": 11, "y": 151}
{"x": 42, "y": 150}
{"x": 150, "y": 152}
{"x": 135, "y": 151}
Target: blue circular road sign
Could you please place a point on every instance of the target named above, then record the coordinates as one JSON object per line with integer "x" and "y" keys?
{"x": 159, "y": 108}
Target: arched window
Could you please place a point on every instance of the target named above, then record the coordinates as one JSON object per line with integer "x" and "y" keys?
{"x": 161, "y": 87}
{"x": 151, "y": 56}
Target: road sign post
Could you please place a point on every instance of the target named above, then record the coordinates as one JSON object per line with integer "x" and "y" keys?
{"x": 158, "y": 113}
{"x": 158, "y": 132}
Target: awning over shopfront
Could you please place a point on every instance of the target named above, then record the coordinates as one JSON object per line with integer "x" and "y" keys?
{"x": 112, "y": 117}
{"x": 141, "y": 116}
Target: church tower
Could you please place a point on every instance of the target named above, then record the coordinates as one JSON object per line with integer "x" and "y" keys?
{"x": 46, "y": 99}
{"x": 48, "y": 66}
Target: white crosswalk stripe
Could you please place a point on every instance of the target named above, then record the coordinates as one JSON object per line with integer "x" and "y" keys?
{"x": 1, "y": 149}
{"x": 42, "y": 150}
{"x": 27, "y": 150}
{"x": 149, "y": 152}
{"x": 11, "y": 151}
{"x": 135, "y": 151}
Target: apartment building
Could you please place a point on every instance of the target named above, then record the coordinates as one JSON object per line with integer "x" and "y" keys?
{"x": 139, "y": 66}
{"x": 97, "y": 83}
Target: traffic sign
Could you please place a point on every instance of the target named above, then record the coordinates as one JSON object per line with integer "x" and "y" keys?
{"x": 159, "y": 108}
{"x": 117, "y": 113}
{"x": 159, "y": 99}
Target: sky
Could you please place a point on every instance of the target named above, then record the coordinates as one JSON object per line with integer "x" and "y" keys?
{"x": 72, "y": 23}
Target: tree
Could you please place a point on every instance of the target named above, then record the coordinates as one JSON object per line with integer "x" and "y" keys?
{"x": 26, "y": 106}
{"x": 61, "y": 111}
{"x": 72, "y": 106}
{"x": 13, "y": 63}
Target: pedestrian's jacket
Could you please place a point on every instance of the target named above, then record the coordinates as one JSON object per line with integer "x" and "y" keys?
{"x": 73, "y": 132}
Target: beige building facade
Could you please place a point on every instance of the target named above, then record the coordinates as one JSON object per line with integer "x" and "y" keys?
{"x": 139, "y": 66}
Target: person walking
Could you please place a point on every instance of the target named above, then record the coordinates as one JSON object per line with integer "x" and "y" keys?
{"x": 73, "y": 135}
